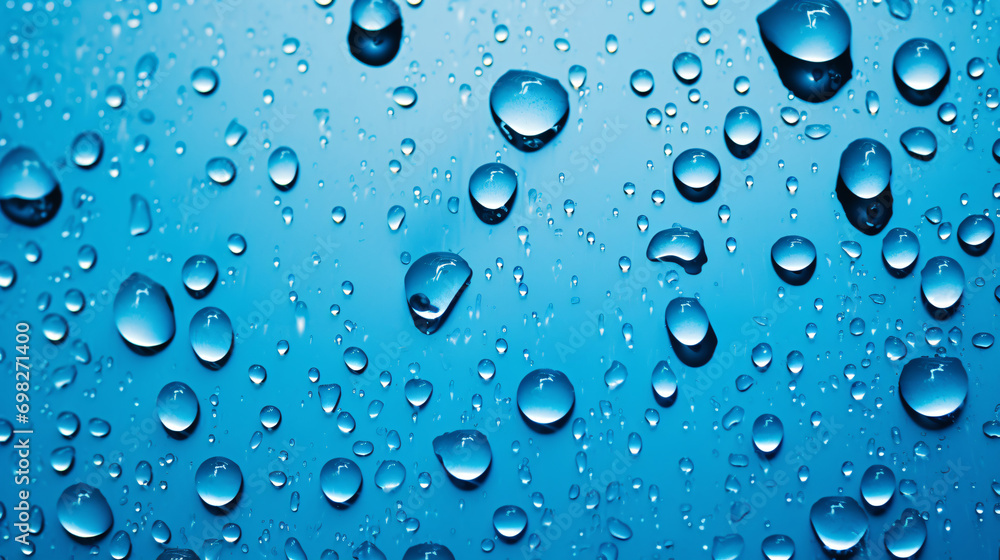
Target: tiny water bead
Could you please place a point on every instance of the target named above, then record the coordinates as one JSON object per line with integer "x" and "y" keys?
{"x": 340, "y": 479}
{"x": 376, "y": 31}
{"x": 529, "y": 109}
{"x": 679, "y": 245}
{"x": 433, "y": 283}
{"x": 920, "y": 69}
{"x": 545, "y": 397}
{"x": 177, "y": 407}
{"x": 696, "y": 174}
{"x": 218, "y": 481}
{"x": 492, "y": 189}
{"x": 464, "y": 454}
{"x": 283, "y": 168}
{"x": 794, "y": 259}
{"x": 29, "y": 193}
{"x": 144, "y": 314}
{"x": 934, "y": 388}
{"x": 809, "y": 42}
{"x": 84, "y": 512}
{"x": 839, "y": 523}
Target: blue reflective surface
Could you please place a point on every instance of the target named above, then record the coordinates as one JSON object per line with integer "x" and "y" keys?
{"x": 274, "y": 313}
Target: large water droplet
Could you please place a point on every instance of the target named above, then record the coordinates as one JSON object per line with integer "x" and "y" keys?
{"x": 935, "y": 387}
{"x": 678, "y": 245}
{"x": 433, "y": 284}
{"x": 218, "y": 481}
{"x": 839, "y": 523}
{"x": 529, "y": 108}
{"x": 920, "y": 69}
{"x": 84, "y": 512}
{"x": 742, "y": 128}
{"x": 376, "y": 31}
{"x": 464, "y": 454}
{"x": 29, "y": 192}
{"x": 810, "y": 44}
{"x": 492, "y": 189}
{"x": 696, "y": 174}
{"x": 144, "y": 314}
{"x": 177, "y": 407}
{"x": 863, "y": 185}
{"x": 211, "y": 335}
{"x": 942, "y": 282}
{"x": 794, "y": 259}
{"x": 340, "y": 480}
{"x": 545, "y": 397}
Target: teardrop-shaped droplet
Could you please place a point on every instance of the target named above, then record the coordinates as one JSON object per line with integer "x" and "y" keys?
{"x": 810, "y": 44}
{"x": 839, "y": 523}
{"x": 283, "y": 168}
{"x": 678, "y": 245}
{"x": 376, "y": 31}
{"x": 211, "y": 335}
{"x": 545, "y": 397}
{"x": 934, "y": 387}
{"x": 696, "y": 174}
{"x": 794, "y": 259}
{"x": 29, "y": 192}
{"x": 418, "y": 391}
{"x": 465, "y": 454}
{"x": 390, "y": 475}
{"x": 144, "y": 314}
{"x": 218, "y": 481}
{"x": 577, "y": 76}
{"x": 433, "y": 284}
{"x": 84, "y": 512}
{"x": 530, "y": 109}
{"x": 340, "y": 479}
{"x": 664, "y": 382}
{"x": 920, "y": 69}
{"x": 492, "y": 189}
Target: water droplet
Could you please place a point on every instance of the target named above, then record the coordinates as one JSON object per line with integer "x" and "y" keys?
{"x": 29, "y": 192}
{"x": 641, "y": 82}
{"x": 464, "y": 454}
{"x": 942, "y": 281}
{"x": 340, "y": 480}
{"x": 204, "y": 80}
{"x": 878, "y": 485}
{"x": 390, "y": 475}
{"x": 211, "y": 335}
{"x": 199, "y": 274}
{"x": 283, "y": 164}
{"x": 863, "y": 185}
{"x": 690, "y": 331}
{"x": 222, "y": 170}
{"x": 492, "y": 189}
{"x": 778, "y": 547}
{"x": 935, "y": 388}
{"x": 394, "y": 218}
{"x": 678, "y": 245}
{"x": 376, "y": 31}
{"x": 404, "y": 96}
{"x": 920, "y": 69}
{"x": 975, "y": 234}
{"x": 144, "y": 314}
{"x": 218, "y": 481}
{"x": 87, "y": 149}
{"x": 510, "y": 522}
{"x": 687, "y": 67}
{"x": 794, "y": 259}
{"x": 433, "y": 284}
{"x": 696, "y": 174}
{"x": 839, "y": 523}
{"x": 907, "y": 535}
{"x": 428, "y": 551}
{"x": 84, "y": 512}
{"x": 530, "y": 109}
{"x": 767, "y": 433}
{"x": 545, "y": 398}
{"x": 810, "y": 44}
{"x": 177, "y": 407}
{"x": 742, "y": 129}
